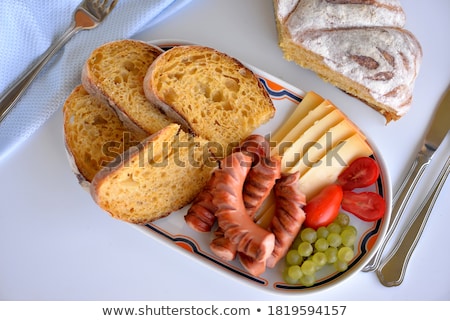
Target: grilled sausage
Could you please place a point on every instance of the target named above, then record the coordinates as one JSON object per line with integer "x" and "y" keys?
{"x": 231, "y": 214}
{"x": 257, "y": 186}
{"x": 200, "y": 215}
{"x": 288, "y": 218}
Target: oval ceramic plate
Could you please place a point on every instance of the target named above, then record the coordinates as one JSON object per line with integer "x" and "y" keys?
{"x": 173, "y": 231}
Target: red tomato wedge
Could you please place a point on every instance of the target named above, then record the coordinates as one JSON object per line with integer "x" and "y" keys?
{"x": 362, "y": 172}
{"x": 323, "y": 208}
{"x": 368, "y": 206}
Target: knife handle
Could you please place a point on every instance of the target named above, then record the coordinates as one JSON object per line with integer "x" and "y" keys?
{"x": 401, "y": 198}
{"x": 392, "y": 270}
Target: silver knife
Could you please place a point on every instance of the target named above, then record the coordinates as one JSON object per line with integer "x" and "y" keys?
{"x": 393, "y": 268}
{"x": 438, "y": 129}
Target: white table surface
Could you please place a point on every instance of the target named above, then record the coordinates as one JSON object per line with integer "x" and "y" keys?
{"x": 56, "y": 244}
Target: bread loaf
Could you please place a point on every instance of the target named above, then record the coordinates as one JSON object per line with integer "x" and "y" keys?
{"x": 114, "y": 73}
{"x": 94, "y": 134}
{"x": 154, "y": 178}
{"x": 208, "y": 93}
{"x": 359, "y": 46}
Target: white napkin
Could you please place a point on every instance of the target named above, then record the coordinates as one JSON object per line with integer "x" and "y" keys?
{"x": 28, "y": 29}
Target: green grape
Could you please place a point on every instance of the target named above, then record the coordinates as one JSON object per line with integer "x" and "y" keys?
{"x": 295, "y": 272}
{"x": 308, "y": 280}
{"x": 308, "y": 235}
{"x": 321, "y": 244}
{"x": 305, "y": 249}
{"x": 350, "y": 228}
{"x": 334, "y": 228}
{"x": 340, "y": 266}
{"x": 312, "y": 249}
{"x": 331, "y": 254}
{"x": 348, "y": 237}
{"x": 322, "y": 232}
{"x": 320, "y": 259}
{"x": 308, "y": 267}
{"x": 296, "y": 242}
{"x": 293, "y": 258}
{"x": 334, "y": 239}
{"x": 345, "y": 254}
{"x": 287, "y": 278}
{"x": 342, "y": 219}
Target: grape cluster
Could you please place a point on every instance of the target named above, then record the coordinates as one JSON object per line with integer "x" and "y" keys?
{"x": 314, "y": 249}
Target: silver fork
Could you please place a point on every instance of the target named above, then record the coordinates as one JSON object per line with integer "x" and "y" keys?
{"x": 88, "y": 15}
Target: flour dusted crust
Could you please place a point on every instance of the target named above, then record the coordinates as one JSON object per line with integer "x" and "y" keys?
{"x": 359, "y": 46}
{"x": 334, "y": 14}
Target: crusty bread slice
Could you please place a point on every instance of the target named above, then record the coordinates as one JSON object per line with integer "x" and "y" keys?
{"x": 94, "y": 134}
{"x": 154, "y": 178}
{"x": 114, "y": 72}
{"x": 209, "y": 93}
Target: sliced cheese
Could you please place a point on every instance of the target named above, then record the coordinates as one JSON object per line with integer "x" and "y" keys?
{"x": 327, "y": 169}
{"x": 327, "y": 141}
{"x": 306, "y": 122}
{"x": 308, "y": 103}
{"x": 294, "y": 154}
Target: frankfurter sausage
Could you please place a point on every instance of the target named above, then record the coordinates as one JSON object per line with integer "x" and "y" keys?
{"x": 257, "y": 186}
{"x": 200, "y": 215}
{"x": 255, "y": 146}
{"x": 289, "y": 216}
{"x": 232, "y": 217}
{"x": 260, "y": 181}
{"x": 222, "y": 247}
{"x": 254, "y": 267}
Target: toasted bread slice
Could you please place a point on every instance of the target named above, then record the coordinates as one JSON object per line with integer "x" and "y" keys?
{"x": 154, "y": 178}
{"x": 94, "y": 134}
{"x": 114, "y": 72}
{"x": 209, "y": 93}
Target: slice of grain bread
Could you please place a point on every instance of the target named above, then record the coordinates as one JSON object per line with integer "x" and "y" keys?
{"x": 114, "y": 72}
{"x": 154, "y": 178}
{"x": 94, "y": 134}
{"x": 209, "y": 93}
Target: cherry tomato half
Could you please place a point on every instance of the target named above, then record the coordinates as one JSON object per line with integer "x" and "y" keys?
{"x": 323, "y": 208}
{"x": 362, "y": 172}
{"x": 368, "y": 206}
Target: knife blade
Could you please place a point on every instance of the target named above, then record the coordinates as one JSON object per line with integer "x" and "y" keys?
{"x": 393, "y": 268}
{"x": 438, "y": 129}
